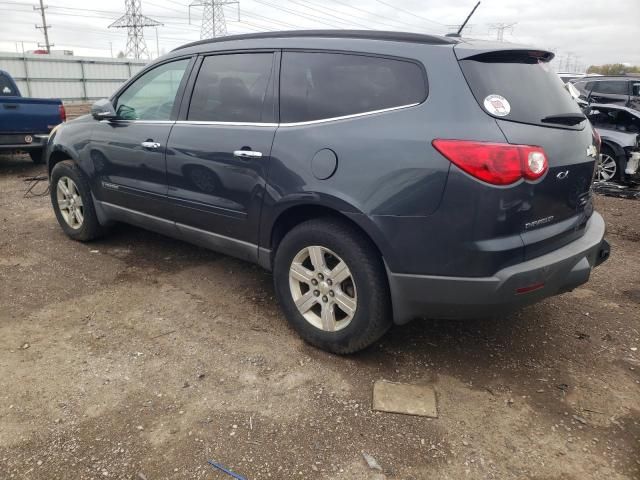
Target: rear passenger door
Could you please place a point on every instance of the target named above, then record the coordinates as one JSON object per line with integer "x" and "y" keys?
{"x": 219, "y": 150}
{"x": 614, "y": 91}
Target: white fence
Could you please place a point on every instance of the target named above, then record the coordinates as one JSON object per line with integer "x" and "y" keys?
{"x": 67, "y": 77}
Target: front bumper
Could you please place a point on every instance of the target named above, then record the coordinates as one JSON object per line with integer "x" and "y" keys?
{"x": 556, "y": 272}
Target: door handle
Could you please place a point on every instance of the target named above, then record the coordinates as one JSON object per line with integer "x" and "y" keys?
{"x": 10, "y": 106}
{"x": 150, "y": 145}
{"x": 247, "y": 154}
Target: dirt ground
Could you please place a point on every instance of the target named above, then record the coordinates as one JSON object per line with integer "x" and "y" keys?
{"x": 138, "y": 356}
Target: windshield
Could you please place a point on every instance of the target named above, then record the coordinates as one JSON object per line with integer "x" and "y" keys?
{"x": 533, "y": 93}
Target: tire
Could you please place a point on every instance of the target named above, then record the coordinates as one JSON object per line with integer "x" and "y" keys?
{"x": 609, "y": 158}
{"x": 366, "y": 287}
{"x": 73, "y": 180}
{"x": 37, "y": 156}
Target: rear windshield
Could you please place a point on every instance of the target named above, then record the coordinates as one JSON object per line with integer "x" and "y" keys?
{"x": 532, "y": 91}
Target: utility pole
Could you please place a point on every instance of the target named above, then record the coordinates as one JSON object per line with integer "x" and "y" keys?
{"x": 214, "y": 23}
{"x": 500, "y": 28}
{"x": 44, "y": 27}
{"x": 134, "y": 21}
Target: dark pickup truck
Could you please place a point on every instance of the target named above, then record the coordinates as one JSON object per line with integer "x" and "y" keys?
{"x": 25, "y": 123}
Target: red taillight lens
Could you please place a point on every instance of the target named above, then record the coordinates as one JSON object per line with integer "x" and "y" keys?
{"x": 63, "y": 113}
{"x": 495, "y": 163}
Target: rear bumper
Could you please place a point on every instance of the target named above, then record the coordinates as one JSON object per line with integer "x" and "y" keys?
{"x": 38, "y": 143}
{"x": 556, "y": 272}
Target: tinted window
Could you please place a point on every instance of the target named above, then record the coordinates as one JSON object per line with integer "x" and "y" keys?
{"x": 635, "y": 87}
{"x": 152, "y": 96}
{"x": 6, "y": 87}
{"x": 531, "y": 88}
{"x": 233, "y": 88}
{"x": 613, "y": 88}
{"x": 314, "y": 86}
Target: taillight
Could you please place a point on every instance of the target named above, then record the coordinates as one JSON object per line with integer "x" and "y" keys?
{"x": 495, "y": 163}
{"x": 63, "y": 113}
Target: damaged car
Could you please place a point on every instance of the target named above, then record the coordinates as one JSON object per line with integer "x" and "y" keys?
{"x": 619, "y": 129}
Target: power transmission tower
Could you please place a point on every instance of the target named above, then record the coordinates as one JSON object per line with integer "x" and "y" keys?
{"x": 44, "y": 27}
{"x": 213, "y": 22}
{"x": 134, "y": 22}
{"x": 500, "y": 28}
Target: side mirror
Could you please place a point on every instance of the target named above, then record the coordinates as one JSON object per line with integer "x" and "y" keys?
{"x": 103, "y": 110}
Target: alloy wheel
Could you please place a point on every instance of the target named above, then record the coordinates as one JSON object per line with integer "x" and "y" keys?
{"x": 323, "y": 288}
{"x": 70, "y": 202}
{"x": 607, "y": 168}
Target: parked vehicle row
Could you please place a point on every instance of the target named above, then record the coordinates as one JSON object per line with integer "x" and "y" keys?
{"x": 617, "y": 90}
{"x": 381, "y": 176}
{"x": 25, "y": 123}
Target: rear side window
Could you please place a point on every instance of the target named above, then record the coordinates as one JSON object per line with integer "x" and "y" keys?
{"x": 531, "y": 89}
{"x": 233, "y": 88}
{"x": 635, "y": 89}
{"x": 612, "y": 88}
{"x": 6, "y": 87}
{"x": 315, "y": 85}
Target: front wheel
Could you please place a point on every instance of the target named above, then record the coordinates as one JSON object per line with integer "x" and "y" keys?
{"x": 609, "y": 168}
{"x": 331, "y": 284}
{"x": 72, "y": 202}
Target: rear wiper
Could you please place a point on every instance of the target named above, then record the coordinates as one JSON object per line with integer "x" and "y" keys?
{"x": 565, "y": 118}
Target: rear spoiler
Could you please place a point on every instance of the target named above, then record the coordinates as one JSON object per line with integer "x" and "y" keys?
{"x": 478, "y": 48}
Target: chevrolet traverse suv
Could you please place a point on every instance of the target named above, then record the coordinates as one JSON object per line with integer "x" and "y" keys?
{"x": 381, "y": 176}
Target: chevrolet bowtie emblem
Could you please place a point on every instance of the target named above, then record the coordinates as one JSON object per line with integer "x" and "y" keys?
{"x": 592, "y": 151}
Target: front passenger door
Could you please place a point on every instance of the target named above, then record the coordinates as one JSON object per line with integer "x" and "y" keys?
{"x": 219, "y": 153}
{"x": 128, "y": 153}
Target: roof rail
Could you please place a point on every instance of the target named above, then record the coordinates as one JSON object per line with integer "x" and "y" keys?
{"x": 363, "y": 34}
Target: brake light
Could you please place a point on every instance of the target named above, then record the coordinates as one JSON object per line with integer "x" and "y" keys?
{"x": 63, "y": 113}
{"x": 495, "y": 163}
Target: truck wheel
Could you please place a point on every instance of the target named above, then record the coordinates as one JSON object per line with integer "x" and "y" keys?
{"x": 37, "y": 156}
{"x": 72, "y": 202}
{"x": 332, "y": 286}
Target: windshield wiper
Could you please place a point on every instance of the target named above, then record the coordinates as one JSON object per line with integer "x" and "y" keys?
{"x": 565, "y": 118}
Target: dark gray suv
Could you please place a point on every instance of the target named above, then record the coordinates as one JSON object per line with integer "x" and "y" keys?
{"x": 382, "y": 176}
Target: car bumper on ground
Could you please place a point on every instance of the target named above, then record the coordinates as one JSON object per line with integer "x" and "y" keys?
{"x": 562, "y": 270}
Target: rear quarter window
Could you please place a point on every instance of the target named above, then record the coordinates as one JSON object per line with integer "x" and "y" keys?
{"x": 525, "y": 81}
{"x": 319, "y": 85}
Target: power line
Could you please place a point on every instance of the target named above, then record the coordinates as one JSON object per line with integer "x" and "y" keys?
{"x": 134, "y": 21}
{"x": 213, "y": 22}
{"x": 407, "y": 12}
{"x": 44, "y": 27}
{"x": 500, "y": 28}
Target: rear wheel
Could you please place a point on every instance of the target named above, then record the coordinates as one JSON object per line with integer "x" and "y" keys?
{"x": 332, "y": 286}
{"x": 37, "y": 156}
{"x": 72, "y": 202}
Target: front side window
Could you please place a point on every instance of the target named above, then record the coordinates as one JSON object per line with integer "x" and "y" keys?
{"x": 612, "y": 88}
{"x": 317, "y": 85}
{"x": 635, "y": 88}
{"x": 233, "y": 88}
{"x": 153, "y": 95}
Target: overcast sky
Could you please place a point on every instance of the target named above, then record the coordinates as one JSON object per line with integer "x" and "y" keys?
{"x": 583, "y": 32}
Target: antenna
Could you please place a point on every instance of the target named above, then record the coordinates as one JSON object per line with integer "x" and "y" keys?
{"x": 214, "y": 23}
{"x": 134, "y": 22}
{"x": 467, "y": 19}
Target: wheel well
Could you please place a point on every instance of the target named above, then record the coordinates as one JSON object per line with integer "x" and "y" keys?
{"x": 57, "y": 157}
{"x": 301, "y": 213}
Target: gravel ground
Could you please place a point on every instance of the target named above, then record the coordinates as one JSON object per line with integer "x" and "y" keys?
{"x": 138, "y": 356}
